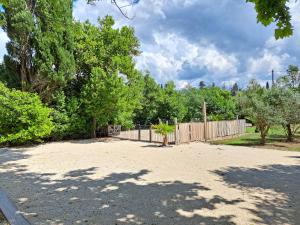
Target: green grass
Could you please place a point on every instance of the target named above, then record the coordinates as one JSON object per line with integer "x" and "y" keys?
{"x": 275, "y": 139}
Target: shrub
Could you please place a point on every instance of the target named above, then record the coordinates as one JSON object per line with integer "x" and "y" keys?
{"x": 23, "y": 117}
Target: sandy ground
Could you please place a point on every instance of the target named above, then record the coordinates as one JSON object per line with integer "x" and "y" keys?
{"x": 123, "y": 182}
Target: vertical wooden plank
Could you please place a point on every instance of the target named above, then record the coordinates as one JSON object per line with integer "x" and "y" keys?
{"x": 175, "y": 132}
{"x": 150, "y": 133}
{"x": 205, "y": 120}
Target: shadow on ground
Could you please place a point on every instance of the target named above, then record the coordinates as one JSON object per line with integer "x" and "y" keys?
{"x": 275, "y": 190}
{"x": 118, "y": 198}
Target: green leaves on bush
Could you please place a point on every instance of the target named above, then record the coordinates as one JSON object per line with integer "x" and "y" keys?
{"x": 23, "y": 117}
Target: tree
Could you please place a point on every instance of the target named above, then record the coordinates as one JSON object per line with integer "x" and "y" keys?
{"x": 278, "y": 12}
{"x": 202, "y": 84}
{"x": 291, "y": 79}
{"x": 40, "y": 50}
{"x": 220, "y": 104}
{"x": 257, "y": 104}
{"x": 105, "y": 47}
{"x": 23, "y": 117}
{"x": 152, "y": 96}
{"x": 8, "y": 77}
{"x": 107, "y": 81}
{"x": 267, "y": 85}
{"x": 286, "y": 103}
{"x": 109, "y": 99}
{"x": 172, "y": 104}
{"x": 234, "y": 89}
{"x": 193, "y": 100}
{"x": 164, "y": 129}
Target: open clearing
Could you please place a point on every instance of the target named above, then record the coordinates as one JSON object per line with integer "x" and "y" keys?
{"x": 123, "y": 182}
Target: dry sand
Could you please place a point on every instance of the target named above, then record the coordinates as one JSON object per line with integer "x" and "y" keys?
{"x": 123, "y": 182}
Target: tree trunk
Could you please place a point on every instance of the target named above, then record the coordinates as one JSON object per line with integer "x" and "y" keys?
{"x": 93, "y": 130}
{"x": 165, "y": 141}
{"x": 289, "y": 133}
{"x": 263, "y": 139}
{"x": 263, "y": 134}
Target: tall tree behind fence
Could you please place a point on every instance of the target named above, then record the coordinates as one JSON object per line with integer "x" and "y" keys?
{"x": 189, "y": 132}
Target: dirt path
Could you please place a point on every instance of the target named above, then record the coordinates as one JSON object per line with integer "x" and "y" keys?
{"x": 123, "y": 182}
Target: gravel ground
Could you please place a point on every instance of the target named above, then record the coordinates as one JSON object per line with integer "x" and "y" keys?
{"x": 123, "y": 182}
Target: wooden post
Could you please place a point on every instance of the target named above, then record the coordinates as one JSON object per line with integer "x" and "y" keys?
{"x": 139, "y": 132}
{"x": 204, "y": 120}
{"x": 190, "y": 132}
{"x": 150, "y": 133}
{"x": 176, "y": 132}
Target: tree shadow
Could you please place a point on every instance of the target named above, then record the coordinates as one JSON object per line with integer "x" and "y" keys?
{"x": 118, "y": 198}
{"x": 275, "y": 190}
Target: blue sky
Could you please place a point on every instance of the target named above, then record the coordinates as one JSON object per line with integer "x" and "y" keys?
{"x": 192, "y": 40}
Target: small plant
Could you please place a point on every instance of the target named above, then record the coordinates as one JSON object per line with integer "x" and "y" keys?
{"x": 164, "y": 129}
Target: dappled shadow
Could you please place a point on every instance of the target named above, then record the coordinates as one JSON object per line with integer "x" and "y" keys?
{"x": 11, "y": 155}
{"x": 92, "y": 141}
{"x": 118, "y": 198}
{"x": 275, "y": 189}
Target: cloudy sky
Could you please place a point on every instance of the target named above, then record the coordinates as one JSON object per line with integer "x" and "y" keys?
{"x": 191, "y": 40}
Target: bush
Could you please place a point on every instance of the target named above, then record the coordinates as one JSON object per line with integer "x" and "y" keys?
{"x": 23, "y": 117}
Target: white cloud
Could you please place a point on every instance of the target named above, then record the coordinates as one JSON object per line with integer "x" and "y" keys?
{"x": 172, "y": 52}
{"x": 266, "y": 62}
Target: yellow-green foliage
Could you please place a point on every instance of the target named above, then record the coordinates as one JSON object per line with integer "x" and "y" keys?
{"x": 23, "y": 117}
{"x": 163, "y": 129}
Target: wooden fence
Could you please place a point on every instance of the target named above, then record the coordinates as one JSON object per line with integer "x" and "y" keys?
{"x": 189, "y": 132}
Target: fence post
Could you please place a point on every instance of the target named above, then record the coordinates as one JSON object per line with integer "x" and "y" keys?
{"x": 176, "y": 132}
{"x": 190, "y": 132}
{"x": 205, "y": 120}
{"x": 150, "y": 133}
{"x": 139, "y": 137}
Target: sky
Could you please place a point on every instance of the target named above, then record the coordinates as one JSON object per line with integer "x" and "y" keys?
{"x": 192, "y": 40}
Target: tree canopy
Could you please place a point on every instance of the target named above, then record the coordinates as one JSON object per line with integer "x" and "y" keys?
{"x": 40, "y": 47}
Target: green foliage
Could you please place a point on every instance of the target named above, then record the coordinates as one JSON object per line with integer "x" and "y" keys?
{"x": 220, "y": 105}
{"x": 110, "y": 98}
{"x": 163, "y": 129}
{"x": 68, "y": 118}
{"x": 9, "y": 78}
{"x": 40, "y": 50}
{"x": 172, "y": 104}
{"x": 152, "y": 97}
{"x": 104, "y": 47}
{"x": 193, "y": 101}
{"x": 110, "y": 87}
{"x": 291, "y": 80}
{"x": 259, "y": 106}
{"x": 286, "y": 103}
{"x": 23, "y": 118}
{"x": 274, "y": 12}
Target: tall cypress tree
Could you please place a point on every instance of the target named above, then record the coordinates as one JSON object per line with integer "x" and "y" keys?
{"x": 40, "y": 49}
